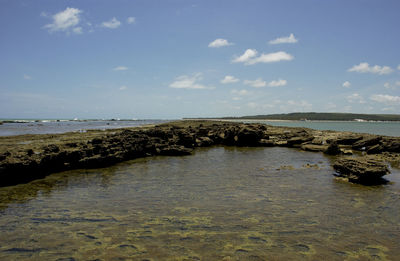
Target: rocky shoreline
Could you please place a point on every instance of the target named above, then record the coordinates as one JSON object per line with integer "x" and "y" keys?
{"x": 27, "y": 157}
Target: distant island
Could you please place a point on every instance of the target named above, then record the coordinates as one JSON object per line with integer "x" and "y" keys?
{"x": 321, "y": 116}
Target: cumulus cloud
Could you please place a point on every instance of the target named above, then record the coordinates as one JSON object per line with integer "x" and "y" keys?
{"x": 346, "y": 84}
{"x": 384, "y": 98}
{"x": 277, "y": 83}
{"x": 189, "y": 82}
{"x": 131, "y": 20}
{"x": 366, "y": 68}
{"x": 112, "y": 24}
{"x": 288, "y": 39}
{"x": 27, "y": 77}
{"x": 65, "y": 21}
{"x": 219, "y": 43}
{"x": 229, "y": 79}
{"x": 249, "y": 57}
{"x": 258, "y": 83}
{"x": 355, "y": 98}
{"x": 120, "y": 68}
{"x": 246, "y": 56}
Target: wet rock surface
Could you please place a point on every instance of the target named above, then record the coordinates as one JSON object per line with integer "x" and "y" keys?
{"x": 362, "y": 170}
{"x": 27, "y": 157}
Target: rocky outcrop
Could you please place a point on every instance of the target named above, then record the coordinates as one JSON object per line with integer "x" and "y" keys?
{"x": 24, "y": 158}
{"x": 361, "y": 170}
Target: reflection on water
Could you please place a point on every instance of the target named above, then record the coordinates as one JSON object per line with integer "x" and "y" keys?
{"x": 219, "y": 204}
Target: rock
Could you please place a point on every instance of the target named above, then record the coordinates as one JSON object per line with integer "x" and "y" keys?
{"x": 298, "y": 140}
{"x": 378, "y": 148}
{"x": 346, "y": 152}
{"x": 364, "y": 143}
{"x": 346, "y": 139}
{"x": 247, "y": 137}
{"x": 204, "y": 142}
{"x": 333, "y": 149}
{"x": 175, "y": 150}
{"x": 266, "y": 143}
{"x": 361, "y": 170}
{"x": 315, "y": 148}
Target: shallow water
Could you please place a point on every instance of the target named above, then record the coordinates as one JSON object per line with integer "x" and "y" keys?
{"x": 219, "y": 204}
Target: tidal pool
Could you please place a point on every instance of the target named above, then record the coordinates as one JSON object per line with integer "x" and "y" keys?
{"x": 222, "y": 203}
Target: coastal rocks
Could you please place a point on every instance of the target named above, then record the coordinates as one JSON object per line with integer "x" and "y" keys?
{"x": 29, "y": 157}
{"x": 175, "y": 150}
{"x": 333, "y": 149}
{"x": 361, "y": 170}
{"x": 314, "y": 148}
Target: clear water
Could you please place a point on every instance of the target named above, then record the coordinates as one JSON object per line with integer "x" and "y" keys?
{"x": 379, "y": 128}
{"x": 52, "y": 127}
{"x": 218, "y": 204}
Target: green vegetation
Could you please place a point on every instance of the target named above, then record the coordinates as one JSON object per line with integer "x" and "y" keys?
{"x": 321, "y": 116}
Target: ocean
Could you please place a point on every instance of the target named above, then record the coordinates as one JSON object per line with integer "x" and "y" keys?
{"x": 40, "y": 126}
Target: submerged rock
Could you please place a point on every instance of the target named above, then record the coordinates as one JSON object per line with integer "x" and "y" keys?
{"x": 361, "y": 170}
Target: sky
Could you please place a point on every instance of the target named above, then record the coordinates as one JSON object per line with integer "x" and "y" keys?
{"x": 169, "y": 59}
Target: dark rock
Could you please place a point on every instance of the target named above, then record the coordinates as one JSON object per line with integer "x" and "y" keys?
{"x": 361, "y": 170}
{"x": 247, "y": 137}
{"x": 378, "y": 148}
{"x": 51, "y": 148}
{"x": 204, "y": 142}
{"x": 392, "y": 145}
{"x": 175, "y": 150}
{"x": 365, "y": 143}
{"x": 298, "y": 140}
{"x": 333, "y": 149}
{"x": 266, "y": 143}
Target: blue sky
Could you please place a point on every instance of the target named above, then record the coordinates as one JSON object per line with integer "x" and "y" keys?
{"x": 190, "y": 58}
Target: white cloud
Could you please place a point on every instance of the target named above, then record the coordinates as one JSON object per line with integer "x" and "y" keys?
{"x": 120, "y": 68}
{"x": 65, "y": 20}
{"x": 397, "y": 83}
{"x": 246, "y": 56}
{"x": 277, "y": 83}
{"x": 112, "y": 24}
{"x": 249, "y": 57}
{"x": 189, "y": 82}
{"x": 346, "y": 84}
{"x": 77, "y": 30}
{"x": 219, "y": 43}
{"x": 229, "y": 79}
{"x": 398, "y": 67}
{"x": 288, "y": 39}
{"x": 256, "y": 83}
{"x": 384, "y": 98}
{"x": 366, "y": 68}
{"x": 123, "y": 87}
{"x": 131, "y": 20}
{"x": 240, "y": 92}
{"x": 355, "y": 98}
{"x": 272, "y": 58}
{"x": 27, "y": 77}
{"x": 386, "y": 85}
